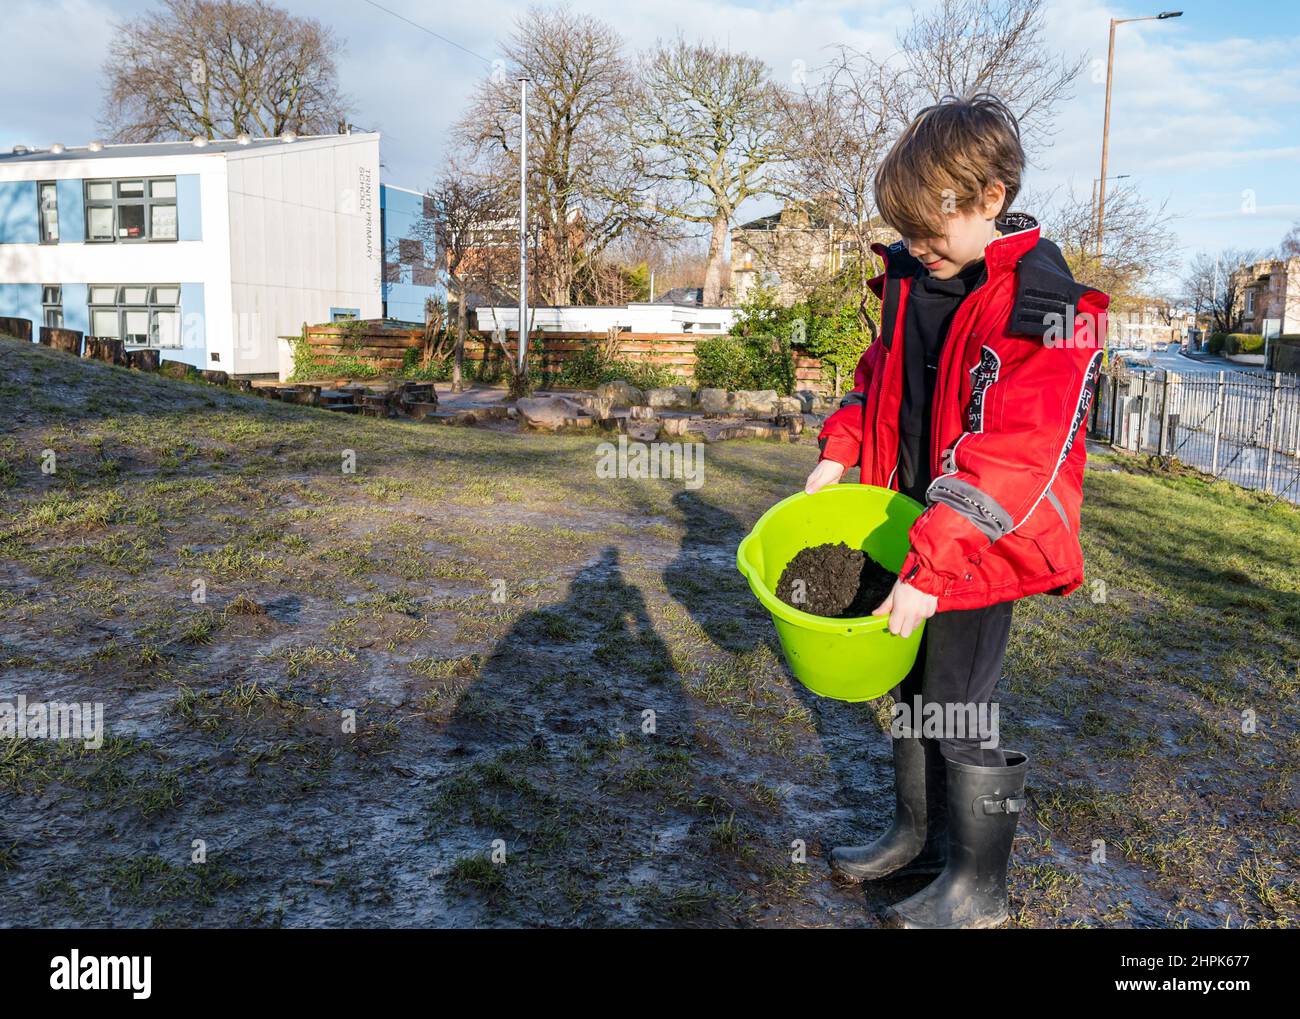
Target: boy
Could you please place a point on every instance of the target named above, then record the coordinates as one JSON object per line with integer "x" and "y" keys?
{"x": 973, "y": 401}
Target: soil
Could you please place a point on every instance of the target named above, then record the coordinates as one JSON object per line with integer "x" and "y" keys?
{"x": 839, "y": 581}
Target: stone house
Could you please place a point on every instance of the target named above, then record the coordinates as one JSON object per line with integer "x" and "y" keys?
{"x": 1270, "y": 289}
{"x": 790, "y": 250}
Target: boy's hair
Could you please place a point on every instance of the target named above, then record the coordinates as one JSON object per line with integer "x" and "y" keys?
{"x": 943, "y": 161}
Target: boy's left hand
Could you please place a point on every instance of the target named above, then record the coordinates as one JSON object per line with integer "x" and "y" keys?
{"x": 907, "y": 607}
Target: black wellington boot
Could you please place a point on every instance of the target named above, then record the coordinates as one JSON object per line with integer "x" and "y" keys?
{"x": 984, "y": 807}
{"x": 916, "y": 843}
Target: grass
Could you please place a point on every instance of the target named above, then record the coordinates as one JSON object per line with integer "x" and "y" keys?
{"x": 473, "y": 638}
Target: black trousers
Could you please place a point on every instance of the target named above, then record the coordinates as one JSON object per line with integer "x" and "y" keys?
{"x": 958, "y": 664}
{"x": 957, "y": 667}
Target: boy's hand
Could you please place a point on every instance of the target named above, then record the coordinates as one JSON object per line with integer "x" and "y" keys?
{"x": 828, "y": 472}
{"x": 907, "y": 607}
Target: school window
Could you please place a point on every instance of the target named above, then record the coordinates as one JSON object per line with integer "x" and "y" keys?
{"x": 143, "y": 209}
{"x": 139, "y": 314}
{"x": 52, "y": 306}
{"x": 48, "y": 197}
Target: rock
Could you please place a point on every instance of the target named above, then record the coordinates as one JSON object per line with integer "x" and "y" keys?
{"x": 675, "y": 398}
{"x": 754, "y": 430}
{"x": 678, "y": 426}
{"x": 597, "y": 404}
{"x": 753, "y": 402}
{"x": 548, "y": 412}
{"x": 620, "y": 393}
{"x": 215, "y": 378}
{"x": 713, "y": 401}
{"x": 788, "y": 406}
{"x": 174, "y": 369}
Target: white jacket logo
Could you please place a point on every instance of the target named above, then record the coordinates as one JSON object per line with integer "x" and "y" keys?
{"x": 982, "y": 376}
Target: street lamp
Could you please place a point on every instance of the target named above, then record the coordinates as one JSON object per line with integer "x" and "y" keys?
{"x": 1118, "y": 176}
{"x": 1105, "y": 131}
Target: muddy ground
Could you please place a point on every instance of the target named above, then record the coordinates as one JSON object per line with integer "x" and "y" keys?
{"x": 569, "y": 669}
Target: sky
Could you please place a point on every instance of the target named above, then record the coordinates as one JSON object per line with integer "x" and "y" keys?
{"x": 1205, "y": 110}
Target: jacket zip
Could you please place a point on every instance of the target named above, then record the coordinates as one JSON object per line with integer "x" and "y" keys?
{"x": 890, "y": 351}
{"x": 967, "y": 305}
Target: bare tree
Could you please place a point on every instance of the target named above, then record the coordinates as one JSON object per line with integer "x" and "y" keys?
{"x": 709, "y": 122}
{"x": 218, "y": 68}
{"x": 585, "y": 182}
{"x": 838, "y": 127}
{"x": 1138, "y": 237}
{"x": 1290, "y": 246}
{"x": 468, "y": 235}
{"x": 1214, "y": 286}
{"x": 961, "y": 47}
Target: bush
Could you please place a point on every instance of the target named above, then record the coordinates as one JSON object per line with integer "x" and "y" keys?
{"x": 589, "y": 368}
{"x": 745, "y": 362}
{"x": 1215, "y": 343}
{"x": 826, "y": 325}
{"x": 1243, "y": 343}
{"x": 438, "y": 370}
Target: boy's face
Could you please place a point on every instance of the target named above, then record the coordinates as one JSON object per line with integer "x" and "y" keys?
{"x": 969, "y": 232}
{"x": 944, "y": 257}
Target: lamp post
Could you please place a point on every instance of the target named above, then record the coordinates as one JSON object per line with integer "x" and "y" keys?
{"x": 1105, "y": 130}
{"x": 523, "y": 224}
{"x": 1118, "y": 176}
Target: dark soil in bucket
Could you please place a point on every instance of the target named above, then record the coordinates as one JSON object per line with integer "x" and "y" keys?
{"x": 838, "y": 581}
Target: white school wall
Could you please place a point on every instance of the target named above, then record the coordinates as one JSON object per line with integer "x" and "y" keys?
{"x": 304, "y": 238}
{"x": 205, "y": 261}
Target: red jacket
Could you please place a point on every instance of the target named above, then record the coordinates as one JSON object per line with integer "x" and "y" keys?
{"x": 1010, "y": 409}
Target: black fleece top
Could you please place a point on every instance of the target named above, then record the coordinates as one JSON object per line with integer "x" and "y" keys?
{"x": 931, "y": 304}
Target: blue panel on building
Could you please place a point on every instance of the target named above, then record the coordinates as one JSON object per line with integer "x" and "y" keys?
{"x": 18, "y": 217}
{"x": 194, "y": 332}
{"x": 72, "y": 214}
{"x": 403, "y": 218}
{"x": 189, "y": 208}
{"x": 76, "y": 303}
{"x": 22, "y": 300}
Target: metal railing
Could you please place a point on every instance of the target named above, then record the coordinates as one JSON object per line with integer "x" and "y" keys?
{"x": 1242, "y": 427}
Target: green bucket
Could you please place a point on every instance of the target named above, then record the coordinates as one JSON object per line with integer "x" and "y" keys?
{"x": 847, "y": 659}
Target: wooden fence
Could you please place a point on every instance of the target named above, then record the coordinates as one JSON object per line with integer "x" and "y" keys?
{"x": 548, "y": 351}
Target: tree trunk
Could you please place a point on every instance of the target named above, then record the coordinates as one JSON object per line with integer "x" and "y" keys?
{"x": 458, "y": 367}
{"x": 713, "y": 274}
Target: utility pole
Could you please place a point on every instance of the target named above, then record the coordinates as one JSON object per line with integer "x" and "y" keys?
{"x": 523, "y": 224}
{"x": 1105, "y": 130}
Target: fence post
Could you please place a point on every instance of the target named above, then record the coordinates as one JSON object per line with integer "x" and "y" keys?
{"x": 1114, "y": 405}
{"x": 1292, "y": 446}
{"x": 1218, "y": 421}
{"x": 1142, "y": 415}
{"x": 1272, "y": 426}
{"x": 1164, "y": 413}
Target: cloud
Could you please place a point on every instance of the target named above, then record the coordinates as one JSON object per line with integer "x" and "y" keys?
{"x": 1194, "y": 112}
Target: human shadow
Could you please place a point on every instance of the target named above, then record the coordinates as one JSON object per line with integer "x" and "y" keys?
{"x": 704, "y": 580}
{"x": 574, "y": 745}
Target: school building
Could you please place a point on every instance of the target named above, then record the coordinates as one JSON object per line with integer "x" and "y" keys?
{"x": 211, "y": 251}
